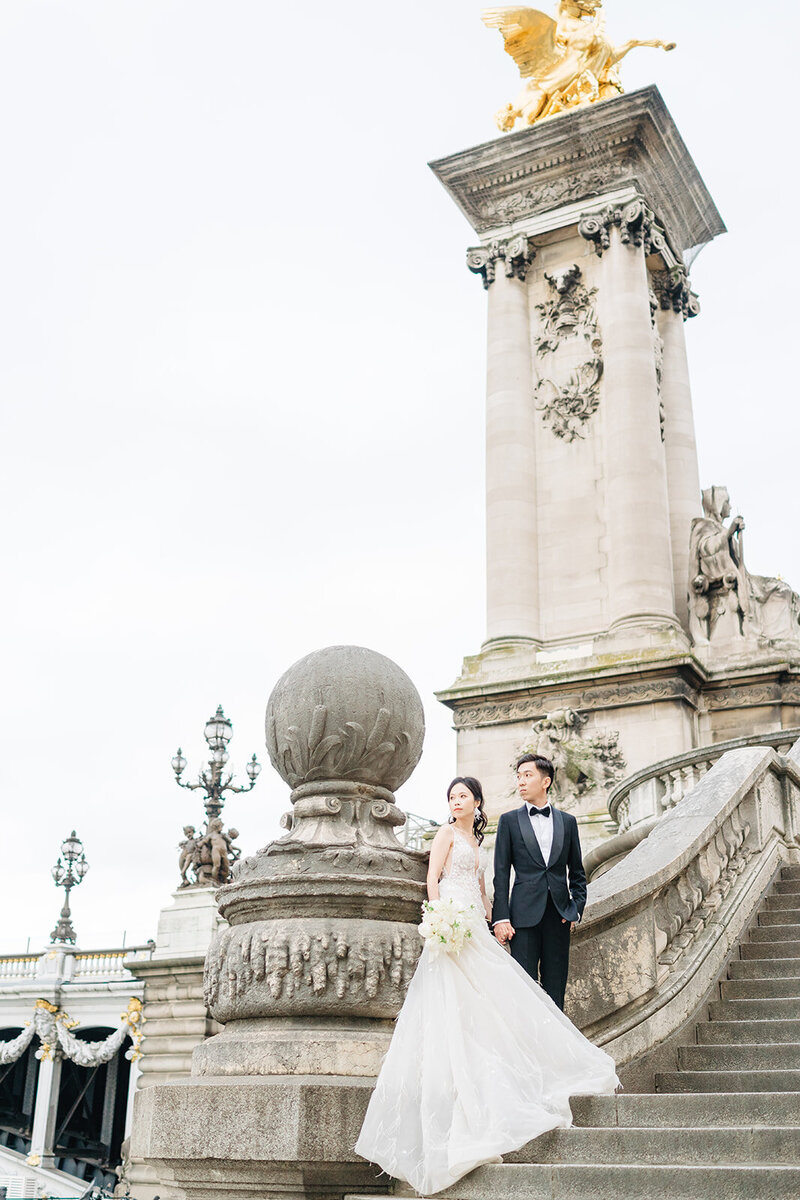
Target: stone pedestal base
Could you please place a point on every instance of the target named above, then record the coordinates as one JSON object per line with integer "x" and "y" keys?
{"x": 295, "y": 1046}
{"x": 276, "y": 1139}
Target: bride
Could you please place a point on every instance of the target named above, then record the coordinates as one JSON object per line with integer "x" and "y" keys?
{"x": 481, "y": 1060}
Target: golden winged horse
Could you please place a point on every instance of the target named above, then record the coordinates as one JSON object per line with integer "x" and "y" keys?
{"x": 566, "y": 62}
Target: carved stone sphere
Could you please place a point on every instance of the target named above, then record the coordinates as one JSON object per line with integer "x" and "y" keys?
{"x": 345, "y": 713}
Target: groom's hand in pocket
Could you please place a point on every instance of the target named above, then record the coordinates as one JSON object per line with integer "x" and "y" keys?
{"x": 504, "y": 932}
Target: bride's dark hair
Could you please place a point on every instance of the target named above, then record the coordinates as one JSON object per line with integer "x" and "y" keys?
{"x": 480, "y": 820}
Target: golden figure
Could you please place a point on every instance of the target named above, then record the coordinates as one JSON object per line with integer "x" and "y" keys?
{"x": 567, "y": 61}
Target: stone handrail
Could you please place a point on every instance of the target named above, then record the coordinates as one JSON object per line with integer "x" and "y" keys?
{"x": 660, "y": 925}
{"x": 659, "y": 787}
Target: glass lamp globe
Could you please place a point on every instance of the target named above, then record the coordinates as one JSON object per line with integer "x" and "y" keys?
{"x": 57, "y": 871}
{"x": 81, "y": 867}
{"x": 178, "y": 762}
{"x": 71, "y": 847}
{"x": 218, "y": 730}
{"x": 253, "y": 769}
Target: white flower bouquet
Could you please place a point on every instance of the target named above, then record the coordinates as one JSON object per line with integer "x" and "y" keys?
{"x": 447, "y": 925}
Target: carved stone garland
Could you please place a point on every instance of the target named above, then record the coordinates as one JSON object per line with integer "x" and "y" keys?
{"x": 516, "y": 255}
{"x": 54, "y": 1028}
{"x": 567, "y": 315}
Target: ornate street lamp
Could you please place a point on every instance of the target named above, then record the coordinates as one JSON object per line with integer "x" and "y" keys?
{"x": 218, "y": 732}
{"x": 68, "y": 874}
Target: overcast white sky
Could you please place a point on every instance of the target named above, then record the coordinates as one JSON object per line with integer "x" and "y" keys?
{"x": 243, "y": 375}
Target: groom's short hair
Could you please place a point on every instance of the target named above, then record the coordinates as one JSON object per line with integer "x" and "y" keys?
{"x": 540, "y": 762}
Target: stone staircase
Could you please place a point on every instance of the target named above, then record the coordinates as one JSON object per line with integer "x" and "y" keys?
{"x": 724, "y": 1125}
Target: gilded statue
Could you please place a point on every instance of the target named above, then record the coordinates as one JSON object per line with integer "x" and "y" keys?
{"x": 566, "y": 62}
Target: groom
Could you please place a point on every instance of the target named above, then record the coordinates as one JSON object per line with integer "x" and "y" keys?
{"x": 547, "y": 900}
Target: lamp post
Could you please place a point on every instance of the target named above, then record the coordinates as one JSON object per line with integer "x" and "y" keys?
{"x": 218, "y": 732}
{"x": 68, "y": 874}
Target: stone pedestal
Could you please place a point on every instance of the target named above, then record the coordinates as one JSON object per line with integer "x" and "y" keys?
{"x": 176, "y": 1019}
{"x": 312, "y": 967}
{"x": 592, "y": 481}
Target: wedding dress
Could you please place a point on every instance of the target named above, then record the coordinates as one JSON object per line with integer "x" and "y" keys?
{"x": 481, "y": 1060}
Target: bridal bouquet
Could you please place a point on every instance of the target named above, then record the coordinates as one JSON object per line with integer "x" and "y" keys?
{"x": 447, "y": 924}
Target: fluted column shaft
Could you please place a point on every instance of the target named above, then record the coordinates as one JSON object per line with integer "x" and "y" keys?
{"x": 639, "y": 552}
{"x": 683, "y": 478}
{"x": 511, "y": 539}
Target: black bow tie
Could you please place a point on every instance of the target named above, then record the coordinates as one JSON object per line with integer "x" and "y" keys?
{"x": 542, "y": 812}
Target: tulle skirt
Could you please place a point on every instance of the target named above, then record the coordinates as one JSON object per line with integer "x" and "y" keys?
{"x": 481, "y": 1062}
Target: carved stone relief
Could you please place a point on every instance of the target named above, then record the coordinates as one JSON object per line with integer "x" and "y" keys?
{"x": 516, "y": 255}
{"x": 545, "y": 196}
{"x": 567, "y": 398}
{"x": 582, "y": 764}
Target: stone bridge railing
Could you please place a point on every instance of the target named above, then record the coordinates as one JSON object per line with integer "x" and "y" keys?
{"x": 660, "y": 925}
{"x": 640, "y": 800}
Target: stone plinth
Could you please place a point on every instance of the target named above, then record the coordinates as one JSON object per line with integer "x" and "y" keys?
{"x": 320, "y": 943}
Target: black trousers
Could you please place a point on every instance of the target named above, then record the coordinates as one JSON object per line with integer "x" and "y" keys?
{"x": 543, "y": 951}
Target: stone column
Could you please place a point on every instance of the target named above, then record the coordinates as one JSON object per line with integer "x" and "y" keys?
{"x": 677, "y": 302}
{"x": 46, "y": 1110}
{"x": 512, "y": 583}
{"x": 639, "y": 554}
{"x": 321, "y": 944}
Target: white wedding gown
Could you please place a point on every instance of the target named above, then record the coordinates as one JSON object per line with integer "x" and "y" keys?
{"x": 481, "y": 1060}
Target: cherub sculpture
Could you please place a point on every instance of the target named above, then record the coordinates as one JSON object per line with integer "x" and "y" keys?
{"x": 567, "y": 61}
{"x": 188, "y": 855}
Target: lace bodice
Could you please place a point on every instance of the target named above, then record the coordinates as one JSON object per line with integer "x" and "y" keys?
{"x": 461, "y": 876}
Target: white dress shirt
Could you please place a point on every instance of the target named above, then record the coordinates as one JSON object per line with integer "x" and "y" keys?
{"x": 543, "y": 831}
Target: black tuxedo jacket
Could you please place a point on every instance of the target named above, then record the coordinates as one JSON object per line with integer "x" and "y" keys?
{"x": 516, "y": 846}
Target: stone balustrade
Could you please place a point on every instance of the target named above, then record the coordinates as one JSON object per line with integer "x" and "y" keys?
{"x": 14, "y": 967}
{"x": 637, "y": 803}
{"x": 660, "y": 924}
{"x": 78, "y": 965}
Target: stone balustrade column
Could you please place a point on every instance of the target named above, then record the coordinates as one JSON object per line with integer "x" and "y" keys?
{"x": 639, "y": 553}
{"x": 46, "y": 1109}
{"x": 512, "y": 588}
{"x": 683, "y": 480}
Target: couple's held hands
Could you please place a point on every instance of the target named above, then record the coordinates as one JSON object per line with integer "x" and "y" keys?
{"x": 504, "y": 932}
{"x": 573, "y": 924}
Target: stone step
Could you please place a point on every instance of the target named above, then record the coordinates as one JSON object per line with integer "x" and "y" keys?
{"x": 791, "y": 887}
{"x": 699, "y": 1145}
{"x": 790, "y": 873}
{"x": 764, "y": 968}
{"x": 774, "y": 933}
{"x": 789, "y": 918}
{"x": 770, "y": 950}
{"x": 757, "y": 989}
{"x": 765, "y": 1056}
{"x": 790, "y": 901}
{"x": 573, "y": 1181}
{"x": 728, "y": 1033}
{"x": 728, "y": 1081}
{"x": 663, "y": 1109}
{"x": 779, "y": 1008}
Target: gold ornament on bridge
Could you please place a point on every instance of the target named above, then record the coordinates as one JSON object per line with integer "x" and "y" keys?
{"x": 567, "y": 62}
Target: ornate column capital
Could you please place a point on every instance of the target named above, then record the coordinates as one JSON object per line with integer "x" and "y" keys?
{"x": 673, "y": 291}
{"x": 638, "y": 226}
{"x": 516, "y": 254}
